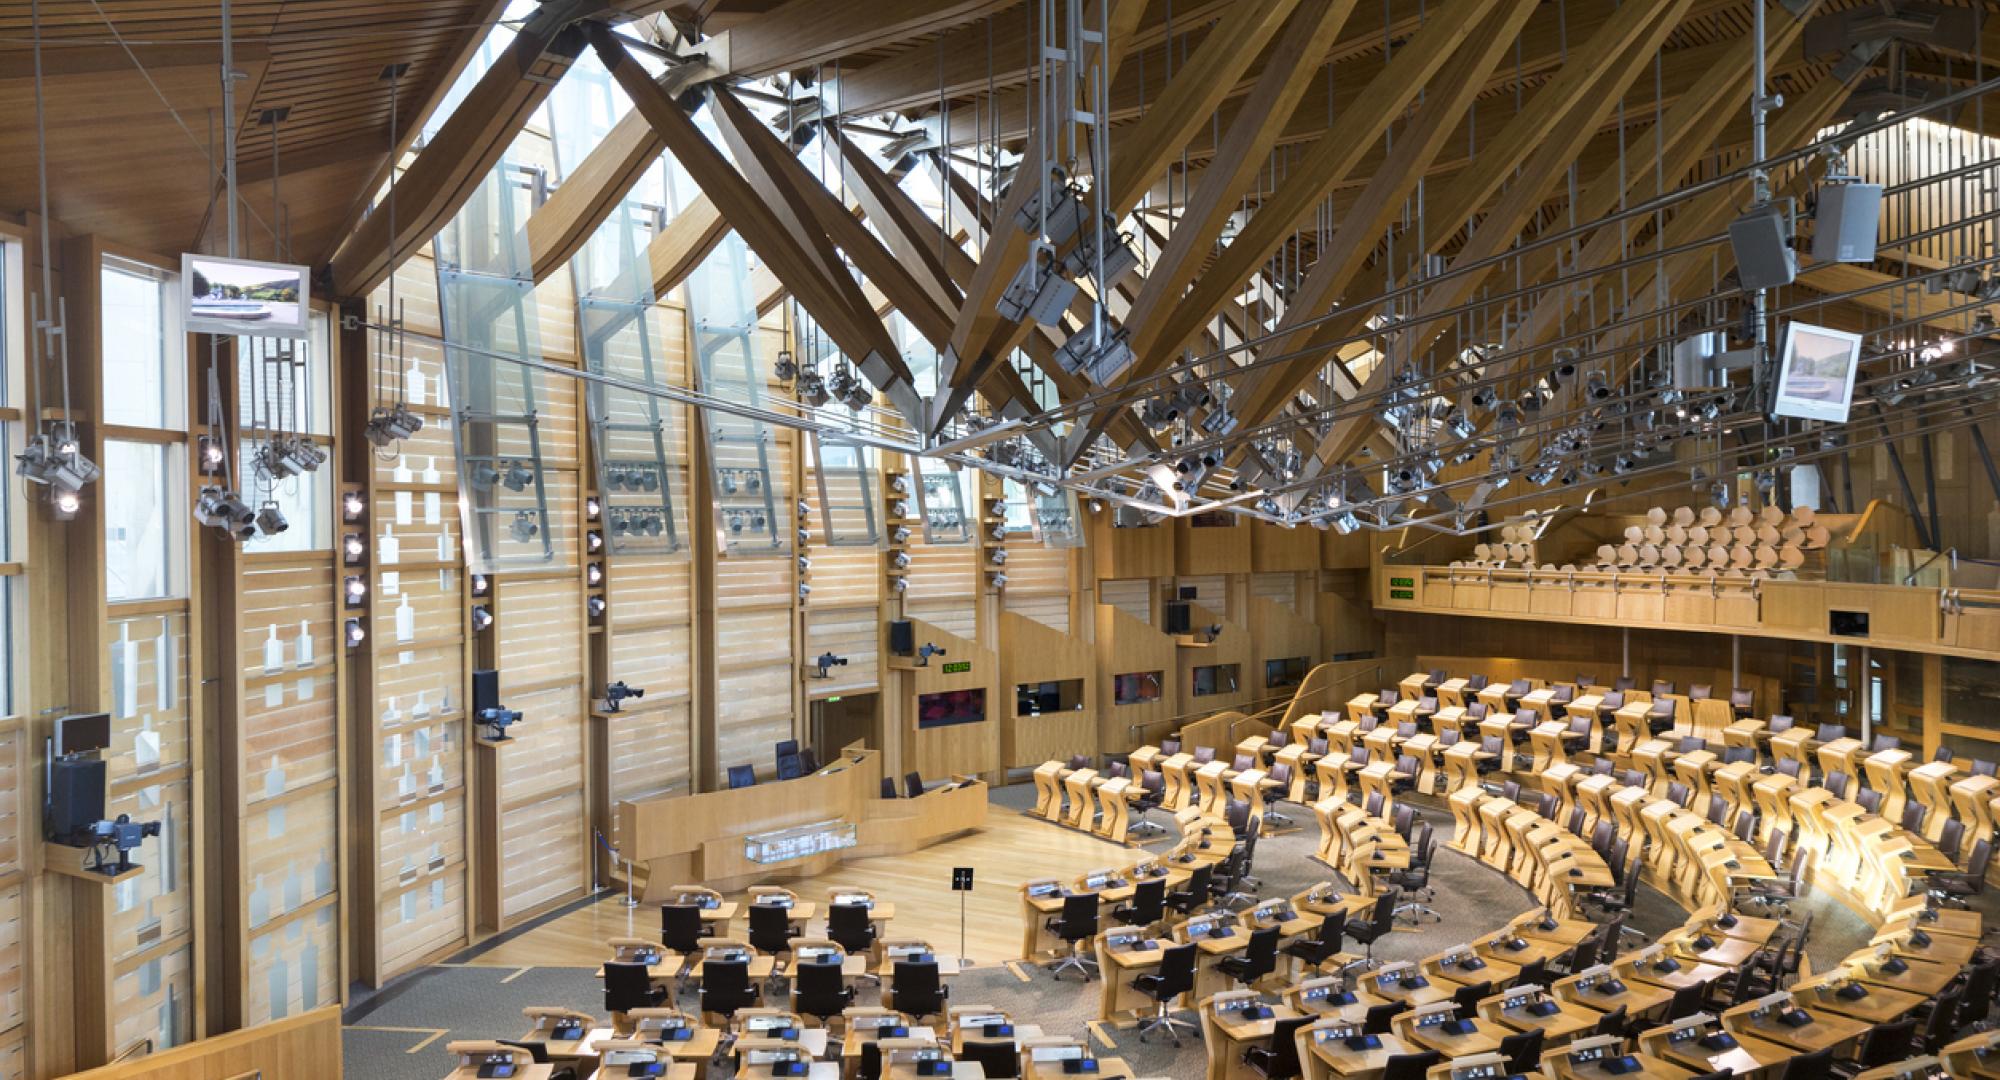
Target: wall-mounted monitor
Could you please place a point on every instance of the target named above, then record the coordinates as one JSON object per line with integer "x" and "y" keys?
{"x": 242, "y": 296}
{"x": 1816, "y": 369}
{"x": 948, "y": 707}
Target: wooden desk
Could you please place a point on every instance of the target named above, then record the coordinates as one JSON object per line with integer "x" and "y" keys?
{"x": 1687, "y": 974}
{"x": 1333, "y": 1006}
{"x": 1120, "y": 965}
{"x": 1406, "y": 985}
{"x": 1879, "y": 1005}
{"x": 1107, "y": 1069}
{"x": 947, "y": 967}
{"x": 1931, "y": 784}
{"x": 1342, "y": 1060}
{"x": 1078, "y": 785}
{"x": 1557, "y": 1065}
{"x": 1484, "y": 1038}
{"x": 1886, "y": 772}
{"x": 1048, "y": 790}
{"x": 1748, "y": 1057}
{"x": 761, "y": 967}
{"x": 1568, "y": 1021}
{"x": 1920, "y": 977}
{"x": 1227, "y": 1033}
{"x": 700, "y": 837}
{"x": 1468, "y": 968}
{"x": 1518, "y": 949}
{"x": 1638, "y": 998}
{"x": 1822, "y": 1029}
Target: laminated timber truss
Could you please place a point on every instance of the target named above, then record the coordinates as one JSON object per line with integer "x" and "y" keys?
{"x": 1327, "y": 263}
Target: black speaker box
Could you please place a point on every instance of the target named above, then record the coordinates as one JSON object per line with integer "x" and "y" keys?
{"x": 485, "y": 691}
{"x": 902, "y": 637}
{"x": 76, "y": 800}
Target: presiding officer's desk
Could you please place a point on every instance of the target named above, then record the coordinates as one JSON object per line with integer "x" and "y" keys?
{"x": 707, "y": 837}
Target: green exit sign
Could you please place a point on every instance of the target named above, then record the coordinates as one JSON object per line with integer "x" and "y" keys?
{"x": 1402, "y": 582}
{"x": 958, "y": 667}
{"x": 1402, "y": 594}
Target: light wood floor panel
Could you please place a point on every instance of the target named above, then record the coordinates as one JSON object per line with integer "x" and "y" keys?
{"x": 1010, "y": 850}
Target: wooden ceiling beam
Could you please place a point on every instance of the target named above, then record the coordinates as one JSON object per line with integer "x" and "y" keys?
{"x": 802, "y": 33}
{"x": 1308, "y": 182}
{"x": 1566, "y": 111}
{"x": 692, "y": 236}
{"x": 452, "y": 165}
{"x": 1247, "y": 145}
{"x": 559, "y": 228}
{"x": 1006, "y": 249}
{"x": 794, "y": 215}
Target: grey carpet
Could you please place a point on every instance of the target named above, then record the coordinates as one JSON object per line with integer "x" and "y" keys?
{"x": 473, "y": 1002}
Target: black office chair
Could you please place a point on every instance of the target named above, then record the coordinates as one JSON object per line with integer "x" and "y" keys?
{"x": 1410, "y": 1066}
{"x": 1687, "y": 1001}
{"x": 1611, "y": 1023}
{"x": 1660, "y": 716}
{"x": 1914, "y": 813}
{"x": 1869, "y": 799}
{"x": 870, "y": 1067}
{"x": 1957, "y": 890}
{"x": 1980, "y": 982}
{"x": 1533, "y": 973}
{"x": 1742, "y": 702}
{"x": 1076, "y": 924}
{"x": 771, "y": 929}
{"x": 851, "y": 927}
{"x": 1235, "y": 885}
{"x": 786, "y": 746}
{"x": 819, "y": 991}
{"x": 913, "y": 784}
{"x": 1258, "y": 959}
{"x": 1379, "y": 1018}
{"x": 888, "y": 788}
{"x": 1835, "y": 782}
{"x": 1515, "y": 691}
{"x": 742, "y": 776}
{"x": 726, "y": 987}
{"x": 1414, "y": 880}
{"x": 1315, "y": 951}
{"x": 629, "y": 986}
{"x": 790, "y": 767}
{"x": 1937, "y": 1026}
{"x": 1468, "y": 997}
{"x": 1883, "y": 1044}
{"x": 1983, "y": 767}
{"x": 1173, "y": 977}
{"x": 1380, "y": 923}
{"x": 808, "y": 761}
{"x": 1196, "y": 896}
{"x": 1814, "y": 1066}
{"x": 915, "y": 989}
{"x": 680, "y": 927}
{"x": 1152, "y": 793}
{"x": 1950, "y": 837}
{"x": 996, "y": 1059}
{"x": 1476, "y": 683}
{"x": 1523, "y": 1051}
{"x": 1278, "y": 1059}
{"x": 1148, "y": 905}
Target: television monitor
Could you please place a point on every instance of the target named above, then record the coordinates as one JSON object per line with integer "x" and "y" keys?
{"x": 1816, "y": 368}
{"x": 244, "y": 296}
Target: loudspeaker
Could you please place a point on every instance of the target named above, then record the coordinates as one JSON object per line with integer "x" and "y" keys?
{"x": 1761, "y": 240}
{"x": 485, "y": 690}
{"x": 76, "y": 800}
{"x": 1844, "y": 230}
{"x": 902, "y": 638}
{"x": 1847, "y": 623}
{"x": 1178, "y": 619}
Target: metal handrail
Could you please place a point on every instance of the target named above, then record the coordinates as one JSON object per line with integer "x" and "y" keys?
{"x": 1132, "y": 730}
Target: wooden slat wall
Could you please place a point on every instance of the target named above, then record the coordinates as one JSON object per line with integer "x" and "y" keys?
{"x": 1211, "y": 592}
{"x": 1133, "y": 596}
{"x": 150, "y": 941}
{"x": 13, "y": 1006}
{"x": 287, "y": 757}
{"x": 541, "y": 788}
{"x": 1277, "y": 588}
{"x": 853, "y": 633}
{"x": 419, "y": 836}
{"x": 1038, "y": 584}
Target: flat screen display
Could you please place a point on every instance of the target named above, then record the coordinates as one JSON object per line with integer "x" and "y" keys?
{"x": 1816, "y": 369}
{"x": 241, "y": 296}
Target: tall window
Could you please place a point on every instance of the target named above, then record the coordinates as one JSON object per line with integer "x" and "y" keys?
{"x": 145, "y": 388}
{"x": 144, "y": 365}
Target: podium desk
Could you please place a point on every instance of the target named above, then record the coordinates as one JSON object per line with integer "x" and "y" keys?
{"x": 1451, "y": 693}
{"x": 1227, "y": 1033}
{"x": 1842, "y": 755}
{"x": 1650, "y": 758}
{"x": 1691, "y": 769}
{"x": 1123, "y": 956}
{"x": 1886, "y": 772}
{"x": 1114, "y": 808}
{"x": 1975, "y": 1055}
{"x": 1733, "y": 784}
{"x": 1760, "y": 1020}
{"x": 1048, "y": 791}
{"x": 1774, "y": 804}
{"x": 1567, "y": 1021}
{"x": 1743, "y": 734}
{"x": 1973, "y": 798}
{"x": 1412, "y": 685}
{"x": 1500, "y": 725}
{"x": 1464, "y": 803}
{"x": 1592, "y": 707}
{"x": 1335, "y": 1058}
{"x": 1539, "y": 703}
{"x": 1359, "y": 707}
{"x": 1077, "y": 784}
{"x": 1877, "y": 1005}
{"x": 1630, "y": 727}
{"x": 1250, "y": 786}
{"x": 1210, "y": 792}
{"x": 1930, "y": 784}
{"x": 1178, "y": 773}
{"x": 1494, "y": 697}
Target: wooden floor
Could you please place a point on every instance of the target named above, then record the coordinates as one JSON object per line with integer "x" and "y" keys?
{"x": 1010, "y": 850}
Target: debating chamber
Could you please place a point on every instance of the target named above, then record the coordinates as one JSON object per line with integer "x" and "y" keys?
{"x": 887, "y": 539}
